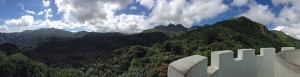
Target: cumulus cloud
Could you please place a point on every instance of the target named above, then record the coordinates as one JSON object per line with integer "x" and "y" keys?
{"x": 239, "y": 2}
{"x": 40, "y": 13}
{"x": 259, "y": 13}
{"x": 48, "y": 13}
{"x": 186, "y": 12}
{"x": 46, "y": 3}
{"x": 147, "y": 3}
{"x": 30, "y": 12}
{"x": 59, "y": 24}
{"x": 278, "y": 2}
{"x": 133, "y": 8}
{"x": 130, "y": 23}
{"x": 288, "y": 20}
{"x": 89, "y": 11}
{"x": 293, "y": 31}
{"x": 25, "y": 20}
{"x": 3, "y": 28}
{"x": 99, "y": 14}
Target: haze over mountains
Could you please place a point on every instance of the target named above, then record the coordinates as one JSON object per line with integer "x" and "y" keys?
{"x": 54, "y": 52}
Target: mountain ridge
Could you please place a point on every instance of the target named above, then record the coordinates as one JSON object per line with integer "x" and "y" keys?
{"x": 148, "y": 53}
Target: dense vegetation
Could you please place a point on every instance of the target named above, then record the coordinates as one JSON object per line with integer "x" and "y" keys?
{"x": 18, "y": 65}
{"x": 30, "y": 39}
{"x": 171, "y": 30}
{"x": 146, "y": 54}
{"x": 94, "y": 47}
{"x": 233, "y": 34}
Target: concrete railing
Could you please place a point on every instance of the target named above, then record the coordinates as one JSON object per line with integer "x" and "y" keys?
{"x": 287, "y": 63}
{"x": 223, "y": 64}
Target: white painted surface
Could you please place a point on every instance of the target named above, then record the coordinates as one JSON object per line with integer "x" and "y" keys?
{"x": 247, "y": 64}
{"x": 287, "y": 48}
{"x": 265, "y": 63}
{"x": 192, "y": 66}
{"x": 224, "y": 61}
{"x": 287, "y": 63}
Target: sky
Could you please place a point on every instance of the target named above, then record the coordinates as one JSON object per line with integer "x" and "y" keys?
{"x": 133, "y": 16}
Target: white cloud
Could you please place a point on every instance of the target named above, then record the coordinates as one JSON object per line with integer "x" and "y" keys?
{"x": 289, "y": 30}
{"x": 55, "y": 24}
{"x": 18, "y": 25}
{"x": 30, "y": 12}
{"x": 46, "y": 3}
{"x": 288, "y": 20}
{"x": 184, "y": 12}
{"x": 79, "y": 14}
{"x": 278, "y": 2}
{"x": 48, "y": 13}
{"x": 25, "y": 20}
{"x": 100, "y": 17}
{"x": 81, "y": 11}
{"x": 239, "y": 2}
{"x": 259, "y": 13}
{"x": 147, "y": 3}
{"x": 3, "y": 28}
{"x": 40, "y": 13}
{"x": 133, "y": 8}
{"x": 129, "y": 23}
{"x": 289, "y": 14}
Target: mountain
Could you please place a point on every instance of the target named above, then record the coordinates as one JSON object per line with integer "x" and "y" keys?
{"x": 280, "y": 36}
{"x": 91, "y": 48}
{"x": 29, "y": 39}
{"x": 145, "y": 54}
{"x": 54, "y": 51}
{"x": 9, "y": 48}
{"x": 171, "y": 30}
{"x": 232, "y": 34}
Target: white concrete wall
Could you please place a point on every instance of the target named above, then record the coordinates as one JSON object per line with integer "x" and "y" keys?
{"x": 247, "y": 64}
{"x": 287, "y": 63}
{"x": 281, "y": 70}
{"x": 287, "y": 48}
{"x": 265, "y": 63}
{"x": 192, "y": 66}
{"x": 223, "y": 61}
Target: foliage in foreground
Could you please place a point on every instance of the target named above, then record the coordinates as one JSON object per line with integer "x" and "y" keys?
{"x": 18, "y": 65}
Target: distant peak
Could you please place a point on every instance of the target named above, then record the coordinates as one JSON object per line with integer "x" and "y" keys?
{"x": 171, "y": 24}
{"x": 177, "y": 25}
{"x": 243, "y": 18}
{"x": 244, "y": 23}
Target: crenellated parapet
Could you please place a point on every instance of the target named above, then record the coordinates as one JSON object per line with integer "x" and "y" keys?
{"x": 223, "y": 64}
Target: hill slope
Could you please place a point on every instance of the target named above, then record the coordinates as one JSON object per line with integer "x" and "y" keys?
{"x": 94, "y": 47}
{"x": 171, "y": 30}
{"x": 148, "y": 54}
{"x": 30, "y": 39}
{"x": 232, "y": 34}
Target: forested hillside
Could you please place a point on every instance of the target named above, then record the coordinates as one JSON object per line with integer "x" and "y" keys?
{"x": 232, "y": 34}
{"x": 145, "y": 54}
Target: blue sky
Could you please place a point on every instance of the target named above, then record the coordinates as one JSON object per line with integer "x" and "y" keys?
{"x": 133, "y": 16}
